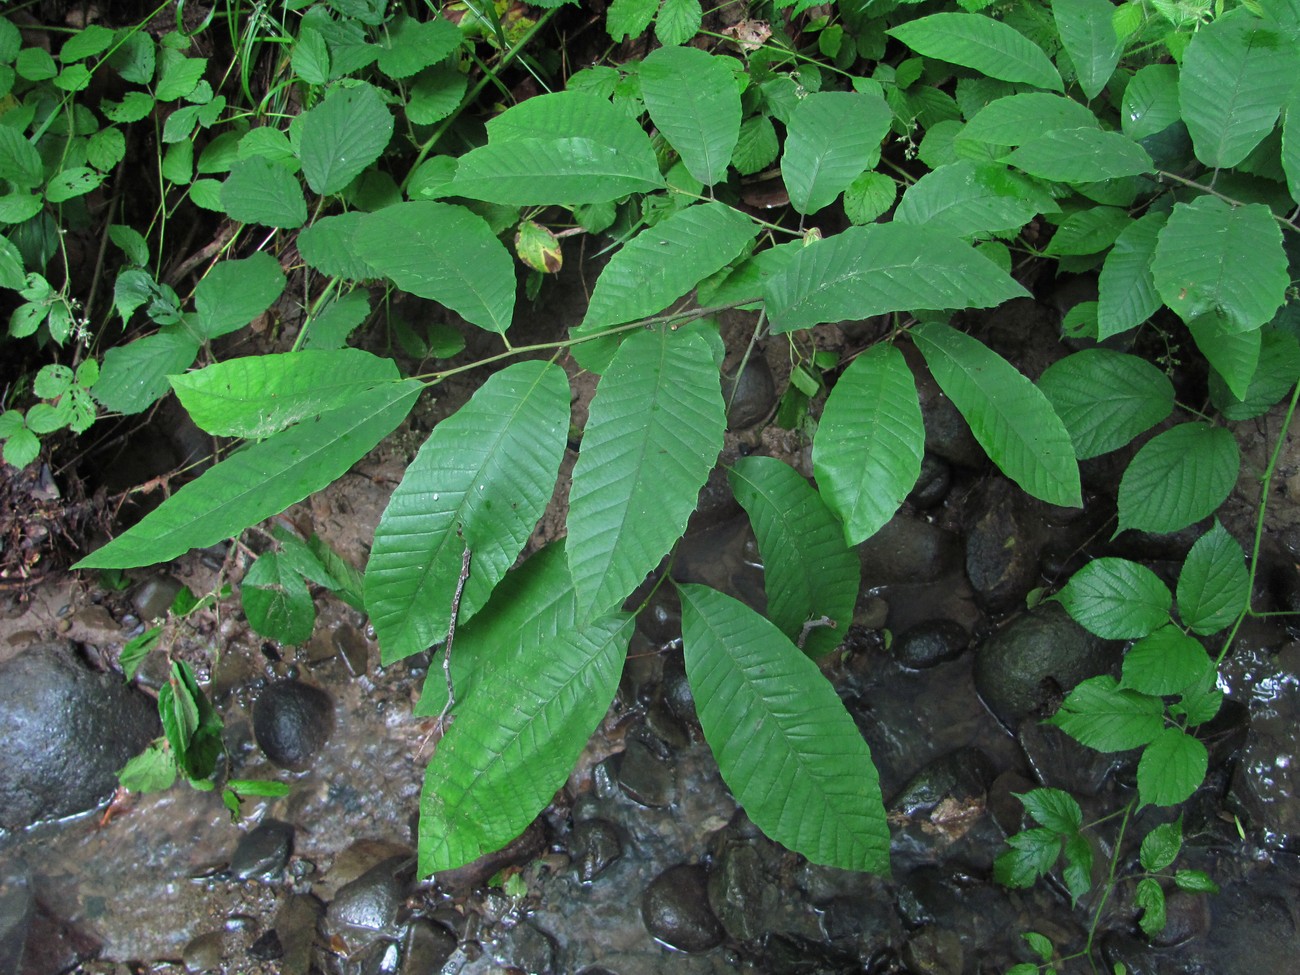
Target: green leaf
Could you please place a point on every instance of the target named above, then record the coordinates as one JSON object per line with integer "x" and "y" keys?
{"x": 1166, "y": 662}
{"x": 757, "y": 146}
{"x": 1081, "y": 156}
{"x": 153, "y": 770}
{"x": 1291, "y": 145}
{"x": 21, "y": 448}
{"x": 1088, "y": 231}
{"x": 408, "y": 45}
{"x": 975, "y": 41}
{"x": 867, "y": 271}
{"x": 1126, "y": 287}
{"x": 328, "y": 246}
{"x": 1215, "y": 259}
{"x": 1011, "y": 419}
{"x": 261, "y": 480}
{"x": 263, "y": 192}
{"x": 693, "y": 100}
{"x": 1041, "y": 946}
{"x": 1160, "y": 847}
{"x": 654, "y": 432}
{"x": 678, "y": 21}
{"x": 235, "y": 292}
{"x": 86, "y": 43}
{"x": 1117, "y": 599}
{"x": 72, "y": 183}
{"x": 330, "y": 327}
{"x": 830, "y": 139}
{"x": 436, "y": 93}
{"x": 785, "y": 745}
{"x": 310, "y": 58}
{"x": 1150, "y": 899}
{"x": 343, "y": 135}
{"x": 868, "y": 197}
{"x": 347, "y": 583}
{"x": 1201, "y": 701}
{"x": 442, "y": 252}
{"x": 1088, "y": 34}
{"x": 967, "y": 198}
{"x": 1150, "y": 101}
{"x": 1277, "y": 371}
{"x": 178, "y": 75}
{"x": 1214, "y": 584}
{"x": 1106, "y": 398}
{"x": 257, "y": 787}
{"x": 629, "y": 18}
{"x": 564, "y": 148}
{"x": 1015, "y": 119}
{"x": 1033, "y": 853}
{"x": 480, "y": 481}
{"x": 1197, "y": 881}
{"x": 276, "y": 601}
{"x": 105, "y": 149}
{"x": 134, "y": 376}
{"x": 136, "y": 649}
{"x": 256, "y": 396}
{"x": 657, "y": 267}
{"x": 1078, "y": 866}
{"x": 1053, "y": 808}
{"x": 541, "y": 689}
{"x": 1236, "y": 75}
{"x": 868, "y": 446}
{"x": 135, "y": 58}
{"x": 1099, "y": 714}
{"x": 810, "y": 572}
{"x": 1172, "y": 767}
{"x": 20, "y": 163}
{"x": 1179, "y": 477}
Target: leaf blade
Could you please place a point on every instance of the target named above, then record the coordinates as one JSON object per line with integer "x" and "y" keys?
{"x": 693, "y": 100}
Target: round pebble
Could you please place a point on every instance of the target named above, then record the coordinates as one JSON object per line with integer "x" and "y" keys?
{"x": 291, "y": 722}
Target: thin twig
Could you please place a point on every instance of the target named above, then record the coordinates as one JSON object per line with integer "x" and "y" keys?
{"x": 441, "y": 726}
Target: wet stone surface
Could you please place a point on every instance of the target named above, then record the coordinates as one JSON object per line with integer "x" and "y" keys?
{"x": 676, "y": 909}
{"x": 292, "y": 722}
{"x": 263, "y": 852}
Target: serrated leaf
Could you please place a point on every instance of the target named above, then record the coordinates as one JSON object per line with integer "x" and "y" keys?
{"x": 867, "y": 271}
{"x": 1088, "y": 34}
{"x": 757, "y": 146}
{"x": 1160, "y": 847}
{"x": 256, "y": 396}
{"x": 1082, "y": 155}
{"x": 1041, "y": 946}
{"x": 259, "y": 481}
{"x": 540, "y": 691}
{"x": 1088, "y": 231}
{"x": 1106, "y": 398}
{"x": 1055, "y": 809}
{"x": 480, "y": 481}
{"x": 1033, "y": 853}
{"x": 72, "y": 183}
{"x": 809, "y": 571}
{"x": 564, "y": 148}
{"x": 153, "y": 770}
{"x": 1276, "y": 372}
{"x": 178, "y": 75}
{"x": 1211, "y": 258}
{"x": 327, "y": 245}
{"x": 785, "y": 745}
{"x": 678, "y": 21}
{"x": 1179, "y": 477}
{"x": 1077, "y": 872}
{"x": 276, "y": 601}
{"x": 1015, "y": 119}
{"x": 1150, "y": 899}
{"x": 20, "y": 163}
{"x": 134, "y": 375}
{"x": 1291, "y": 145}
{"x": 693, "y": 100}
{"x": 442, "y": 252}
{"x": 654, "y": 431}
{"x": 968, "y": 198}
{"x": 975, "y": 41}
{"x": 1237, "y": 73}
{"x": 235, "y": 292}
{"x": 1214, "y": 584}
{"x": 1127, "y": 294}
{"x": 1172, "y": 767}
{"x": 21, "y": 448}
{"x": 263, "y": 192}
{"x": 329, "y": 328}
{"x": 436, "y": 94}
{"x": 868, "y": 446}
{"x": 1117, "y": 599}
{"x": 1166, "y": 662}
{"x": 408, "y": 45}
{"x": 310, "y": 58}
{"x": 1099, "y": 714}
{"x": 1011, "y": 419}
{"x": 868, "y": 197}
{"x": 831, "y": 138}
{"x": 1197, "y": 881}
{"x": 629, "y": 18}
{"x": 342, "y": 136}
{"x": 1150, "y": 101}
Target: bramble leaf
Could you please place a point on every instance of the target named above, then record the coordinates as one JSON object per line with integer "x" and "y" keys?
{"x": 1106, "y": 398}
{"x": 1160, "y": 847}
{"x": 1214, "y": 585}
{"x": 1165, "y": 662}
{"x": 1171, "y": 768}
{"x": 1117, "y": 599}
{"x": 342, "y": 136}
{"x": 1101, "y": 715}
{"x": 1179, "y": 477}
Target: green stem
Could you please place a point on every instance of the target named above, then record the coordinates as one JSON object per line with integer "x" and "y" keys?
{"x": 1110, "y": 884}
{"x": 1231, "y": 201}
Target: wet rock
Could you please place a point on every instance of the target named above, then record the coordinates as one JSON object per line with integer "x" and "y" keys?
{"x": 1001, "y": 547}
{"x": 427, "y": 947}
{"x": 64, "y": 733}
{"x": 292, "y": 721}
{"x": 645, "y": 777}
{"x": 929, "y": 643}
{"x": 1187, "y": 916}
{"x": 933, "y": 483}
{"x": 959, "y": 778}
{"x": 751, "y": 397}
{"x": 527, "y": 846}
{"x": 946, "y": 432}
{"x": 32, "y": 938}
{"x": 1030, "y": 665}
{"x": 370, "y": 903}
{"x": 155, "y": 596}
{"x": 742, "y": 892}
{"x": 262, "y": 853}
{"x": 1060, "y": 762}
{"x": 675, "y": 909}
{"x": 907, "y": 550}
{"x": 800, "y": 956}
{"x": 267, "y": 947}
{"x": 525, "y": 947}
{"x": 1266, "y": 784}
{"x": 382, "y": 957}
{"x": 1253, "y": 929}
{"x": 595, "y": 844}
{"x": 205, "y": 953}
{"x": 295, "y": 927}
{"x": 934, "y": 951}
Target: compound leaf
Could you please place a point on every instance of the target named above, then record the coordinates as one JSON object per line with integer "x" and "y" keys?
{"x": 1214, "y": 584}
{"x": 809, "y": 572}
{"x": 867, "y": 271}
{"x": 693, "y": 100}
{"x": 655, "y": 430}
{"x": 868, "y": 446}
{"x": 1011, "y": 419}
{"x": 1117, "y": 599}
{"x": 480, "y": 481}
{"x": 975, "y": 41}
{"x": 832, "y": 137}
{"x": 443, "y": 252}
{"x": 1179, "y": 477}
{"x": 1106, "y": 398}
{"x": 785, "y": 745}
{"x": 540, "y": 690}
{"x": 261, "y": 480}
